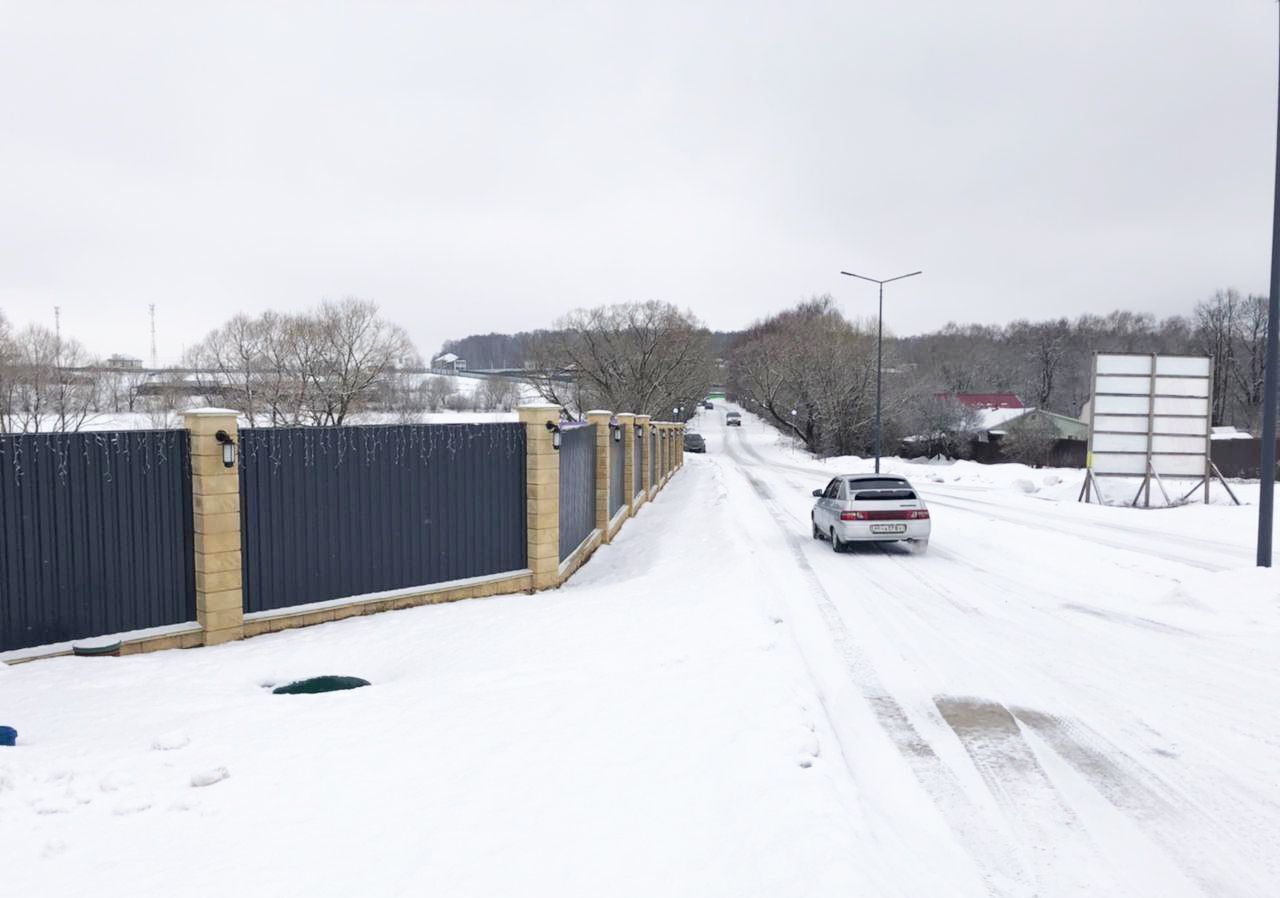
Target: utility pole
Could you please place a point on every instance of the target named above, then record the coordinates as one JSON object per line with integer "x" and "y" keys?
{"x": 1267, "y": 455}
{"x": 880, "y": 346}
{"x": 152, "y": 309}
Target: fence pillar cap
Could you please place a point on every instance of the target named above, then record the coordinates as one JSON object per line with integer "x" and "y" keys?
{"x": 625, "y": 417}
{"x": 210, "y": 412}
{"x": 599, "y": 414}
{"x": 538, "y": 412}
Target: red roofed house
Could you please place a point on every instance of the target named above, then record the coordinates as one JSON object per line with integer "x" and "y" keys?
{"x": 984, "y": 400}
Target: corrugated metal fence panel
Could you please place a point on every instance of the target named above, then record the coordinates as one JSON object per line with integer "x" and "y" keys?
{"x": 95, "y": 534}
{"x": 617, "y": 490}
{"x": 577, "y": 487}
{"x": 335, "y": 512}
{"x": 637, "y": 465}
{"x": 653, "y": 450}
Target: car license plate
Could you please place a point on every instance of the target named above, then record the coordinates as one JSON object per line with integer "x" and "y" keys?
{"x": 888, "y": 528}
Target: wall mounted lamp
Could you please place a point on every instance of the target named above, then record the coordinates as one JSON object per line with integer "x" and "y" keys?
{"x": 228, "y": 448}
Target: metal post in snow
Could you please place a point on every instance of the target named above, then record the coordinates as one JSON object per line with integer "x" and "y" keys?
{"x": 879, "y": 347}
{"x": 879, "y": 370}
{"x": 1266, "y": 498}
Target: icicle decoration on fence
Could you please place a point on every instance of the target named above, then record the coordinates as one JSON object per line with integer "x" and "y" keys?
{"x": 395, "y": 444}
{"x": 100, "y": 452}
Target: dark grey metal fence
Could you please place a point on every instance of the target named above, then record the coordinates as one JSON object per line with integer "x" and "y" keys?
{"x": 637, "y": 464}
{"x": 334, "y": 512}
{"x": 95, "y": 534}
{"x": 577, "y": 487}
{"x": 653, "y": 450}
{"x": 617, "y": 491}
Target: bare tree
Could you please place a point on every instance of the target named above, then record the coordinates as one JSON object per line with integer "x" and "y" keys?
{"x": 233, "y": 355}
{"x": 358, "y": 349}
{"x": 53, "y": 384}
{"x": 1249, "y": 360}
{"x": 645, "y": 357}
{"x": 499, "y": 394}
{"x": 438, "y": 392}
{"x": 812, "y": 373}
{"x": 315, "y": 368}
{"x": 940, "y": 425}
{"x": 1029, "y": 440}
{"x": 1215, "y": 321}
{"x": 8, "y": 362}
{"x": 1047, "y": 345}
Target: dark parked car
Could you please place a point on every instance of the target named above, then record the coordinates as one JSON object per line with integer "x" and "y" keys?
{"x": 707, "y": 403}
{"x": 733, "y": 419}
{"x": 693, "y": 442}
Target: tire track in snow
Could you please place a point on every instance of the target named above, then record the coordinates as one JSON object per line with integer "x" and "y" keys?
{"x": 940, "y": 782}
{"x": 992, "y": 734}
{"x": 1136, "y": 790}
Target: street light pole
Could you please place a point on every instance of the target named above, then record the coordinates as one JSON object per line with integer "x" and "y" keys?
{"x": 1266, "y": 499}
{"x": 880, "y": 346}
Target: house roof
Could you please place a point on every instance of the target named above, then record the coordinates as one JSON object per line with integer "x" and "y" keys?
{"x": 1064, "y": 426}
{"x": 984, "y": 400}
{"x": 447, "y": 358}
{"x": 990, "y": 417}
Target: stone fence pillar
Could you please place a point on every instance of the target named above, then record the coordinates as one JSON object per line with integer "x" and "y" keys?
{"x": 542, "y": 493}
{"x": 215, "y": 499}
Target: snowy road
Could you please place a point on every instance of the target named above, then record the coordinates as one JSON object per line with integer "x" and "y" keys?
{"x": 1056, "y": 700}
{"x": 1075, "y": 736}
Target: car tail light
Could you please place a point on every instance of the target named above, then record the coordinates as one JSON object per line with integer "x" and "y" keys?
{"x": 910, "y": 514}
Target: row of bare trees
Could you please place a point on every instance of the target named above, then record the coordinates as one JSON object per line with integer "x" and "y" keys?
{"x": 649, "y": 357}
{"x": 46, "y": 381}
{"x": 324, "y": 366}
{"x": 315, "y": 367}
{"x": 811, "y": 372}
{"x": 1048, "y": 363}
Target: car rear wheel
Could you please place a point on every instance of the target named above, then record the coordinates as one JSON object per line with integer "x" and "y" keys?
{"x": 919, "y": 546}
{"x": 836, "y": 544}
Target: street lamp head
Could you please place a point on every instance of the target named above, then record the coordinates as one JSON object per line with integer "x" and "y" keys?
{"x": 878, "y": 280}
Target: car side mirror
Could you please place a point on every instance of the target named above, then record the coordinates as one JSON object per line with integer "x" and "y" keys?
{"x": 817, "y": 494}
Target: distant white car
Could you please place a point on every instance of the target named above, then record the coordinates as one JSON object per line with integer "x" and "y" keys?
{"x": 732, "y": 419}
{"x": 870, "y": 508}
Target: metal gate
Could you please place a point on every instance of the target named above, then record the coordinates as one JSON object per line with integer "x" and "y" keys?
{"x": 95, "y": 534}
{"x": 338, "y": 512}
{"x": 577, "y": 486}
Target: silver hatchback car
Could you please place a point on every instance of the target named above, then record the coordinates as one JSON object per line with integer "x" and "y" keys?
{"x": 870, "y": 508}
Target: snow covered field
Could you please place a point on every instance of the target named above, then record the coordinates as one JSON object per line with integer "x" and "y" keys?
{"x": 1056, "y": 700}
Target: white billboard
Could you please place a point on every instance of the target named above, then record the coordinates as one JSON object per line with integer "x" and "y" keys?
{"x": 1150, "y": 418}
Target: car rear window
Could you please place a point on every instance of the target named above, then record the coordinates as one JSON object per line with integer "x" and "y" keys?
{"x": 871, "y": 489}
{"x": 880, "y": 495}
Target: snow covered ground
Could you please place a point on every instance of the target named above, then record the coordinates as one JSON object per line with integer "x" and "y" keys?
{"x": 1056, "y": 700}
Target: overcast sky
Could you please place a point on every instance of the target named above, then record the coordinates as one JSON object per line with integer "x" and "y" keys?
{"x": 485, "y": 166}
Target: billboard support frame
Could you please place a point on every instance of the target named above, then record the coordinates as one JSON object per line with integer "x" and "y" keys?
{"x": 1162, "y": 435}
